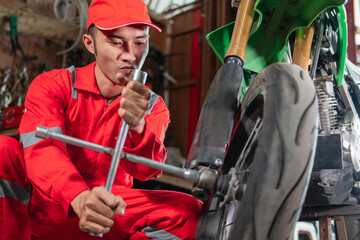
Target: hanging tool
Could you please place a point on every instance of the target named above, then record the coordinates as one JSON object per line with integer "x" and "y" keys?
{"x": 14, "y": 35}
{"x": 15, "y": 41}
{"x": 20, "y": 86}
{"x": 5, "y": 95}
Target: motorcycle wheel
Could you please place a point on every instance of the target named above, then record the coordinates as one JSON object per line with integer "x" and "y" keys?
{"x": 272, "y": 153}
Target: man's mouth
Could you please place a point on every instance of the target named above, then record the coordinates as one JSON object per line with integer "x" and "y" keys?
{"x": 127, "y": 67}
{"x": 126, "y": 70}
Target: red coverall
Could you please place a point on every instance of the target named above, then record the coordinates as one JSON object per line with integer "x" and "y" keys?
{"x": 40, "y": 182}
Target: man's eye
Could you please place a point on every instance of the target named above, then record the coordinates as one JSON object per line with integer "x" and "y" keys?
{"x": 140, "y": 43}
{"x": 117, "y": 43}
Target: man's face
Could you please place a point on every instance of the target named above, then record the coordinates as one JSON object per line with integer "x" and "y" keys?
{"x": 119, "y": 51}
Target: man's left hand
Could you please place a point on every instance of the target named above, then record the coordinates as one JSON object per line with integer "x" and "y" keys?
{"x": 133, "y": 105}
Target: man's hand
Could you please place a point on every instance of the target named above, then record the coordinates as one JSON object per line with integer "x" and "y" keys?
{"x": 96, "y": 209}
{"x": 133, "y": 105}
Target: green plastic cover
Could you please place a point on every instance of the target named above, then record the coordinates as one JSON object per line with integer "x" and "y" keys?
{"x": 274, "y": 21}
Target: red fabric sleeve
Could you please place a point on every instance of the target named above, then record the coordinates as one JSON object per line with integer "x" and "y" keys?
{"x": 151, "y": 143}
{"x": 48, "y": 164}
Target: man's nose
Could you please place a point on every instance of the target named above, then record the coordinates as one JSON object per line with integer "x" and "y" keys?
{"x": 128, "y": 55}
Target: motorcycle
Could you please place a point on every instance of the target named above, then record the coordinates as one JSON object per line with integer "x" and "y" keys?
{"x": 280, "y": 123}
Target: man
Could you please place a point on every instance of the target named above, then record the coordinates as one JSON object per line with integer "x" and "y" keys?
{"x": 55, "y": 191}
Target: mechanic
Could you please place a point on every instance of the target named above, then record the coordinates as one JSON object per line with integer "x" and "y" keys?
{"x": 49, "y": 190}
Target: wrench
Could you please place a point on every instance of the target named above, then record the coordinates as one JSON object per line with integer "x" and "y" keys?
{"x": 136, "y": 75}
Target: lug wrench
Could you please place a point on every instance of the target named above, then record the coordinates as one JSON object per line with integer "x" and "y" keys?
{"x": 136, "y": 75}
{"x": 140, "y": 76}
{"x": 192, "y": 176}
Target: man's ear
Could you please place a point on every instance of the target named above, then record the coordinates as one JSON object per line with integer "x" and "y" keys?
{"x": 89, "y": 43}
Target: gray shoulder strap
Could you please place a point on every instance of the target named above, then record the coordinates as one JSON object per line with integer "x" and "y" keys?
{"x": 72, "y": 70}
{"x": 153, "y": 98}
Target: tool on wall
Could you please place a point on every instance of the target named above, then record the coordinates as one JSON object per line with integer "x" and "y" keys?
{"x": 64, "y": 11}
{"x": 14, "y": 35}
{"x": 20, "y": 87}
{"x": 15, "y": 45}
{"x": 14, "y": 82}
{"x": 5, "y": 95}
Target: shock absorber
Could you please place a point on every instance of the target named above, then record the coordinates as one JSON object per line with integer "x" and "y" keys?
{"x": 327, "y": 104}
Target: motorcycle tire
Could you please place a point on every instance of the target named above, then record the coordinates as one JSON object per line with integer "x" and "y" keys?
{"x": 278, "y": 163}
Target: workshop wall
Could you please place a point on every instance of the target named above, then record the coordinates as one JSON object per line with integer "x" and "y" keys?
{"x": 183, "y": 64}
{"x": 193, "y": 64}
{"x": 27, "y": 52}
{"x": 40, "y": 7}
{"x": 39, "y": 57}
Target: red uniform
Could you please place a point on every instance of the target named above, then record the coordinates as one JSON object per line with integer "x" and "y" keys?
{"x": 69, "y": 101}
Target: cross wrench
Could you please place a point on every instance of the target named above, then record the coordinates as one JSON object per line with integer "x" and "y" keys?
{"x": 136, "y": 75}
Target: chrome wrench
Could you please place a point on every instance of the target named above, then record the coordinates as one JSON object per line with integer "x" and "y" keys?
{"x": 136, "y": 75}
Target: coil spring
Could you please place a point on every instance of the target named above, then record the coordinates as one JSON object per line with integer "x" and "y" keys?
{"x": 327, "y": 108}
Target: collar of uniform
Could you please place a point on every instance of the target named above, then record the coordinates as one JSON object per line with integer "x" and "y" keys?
{"x": 85, "y": 79}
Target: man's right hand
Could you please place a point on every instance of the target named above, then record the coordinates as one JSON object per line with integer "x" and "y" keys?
{"x": 96, "y": 209}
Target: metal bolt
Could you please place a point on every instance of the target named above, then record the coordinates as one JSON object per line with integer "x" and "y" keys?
{"x": 218, "y": 162}
{"x": 193, "y": 163}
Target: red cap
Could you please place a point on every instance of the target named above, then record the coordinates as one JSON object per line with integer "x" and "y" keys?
{"x": 111, "y": 14}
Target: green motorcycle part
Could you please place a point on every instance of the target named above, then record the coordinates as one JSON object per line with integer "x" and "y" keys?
{"x": 275, "y": 21}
